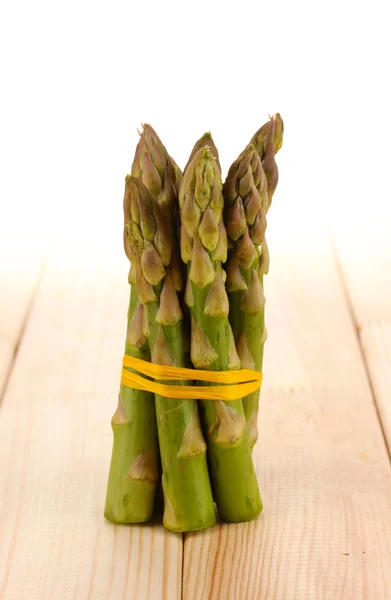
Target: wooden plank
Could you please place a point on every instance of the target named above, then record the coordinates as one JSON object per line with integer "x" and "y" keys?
{"x": 376, "y": 343}
{"x": 365, "y": 257}
{"x": 56, "y": 443}
{"x": 366, "y": 273}
{"x": 323, "y": 469}
{"x": 20, "y": 271}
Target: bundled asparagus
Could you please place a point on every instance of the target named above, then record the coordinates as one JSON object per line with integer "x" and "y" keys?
{"x": 134, "y": 471}
{"x": 186, "y": 486}
{"x": 204, "y": 248}
{"x": 224, "y": 313}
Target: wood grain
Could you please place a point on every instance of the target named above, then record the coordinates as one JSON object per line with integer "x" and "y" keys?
{"x": 323, "y": 468}
{"x": 56, "y": 443}
{"x": 364, "y": 253}
{"x": 376, "y": 343}
{"x": 20, "y": 271}
{"x": 366, "y": 273}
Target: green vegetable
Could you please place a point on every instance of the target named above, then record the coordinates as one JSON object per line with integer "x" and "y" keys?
{"x": 132, "y": 485}
{"x": 248, "y": 192}
{"x": 186, "y": 486}
{"x": 134, "y": 468}
{"x": 204, "y": 249}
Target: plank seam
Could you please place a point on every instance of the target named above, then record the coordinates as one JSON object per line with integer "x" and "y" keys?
{"x": 183, "y": 564}
{"x": 23, "y": 327}
{"x": 352, "y": 314}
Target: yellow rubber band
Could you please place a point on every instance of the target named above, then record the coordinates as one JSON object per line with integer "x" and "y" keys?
{"x": 236, "y": 384}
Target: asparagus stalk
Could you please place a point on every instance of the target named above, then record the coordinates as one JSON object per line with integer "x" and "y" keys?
{"x": 132, "y": 486}
{"x": 271, "y": 133}
{"x": 204, "y": 249}
{"x": 205, "y": 141}
{"x": 134, "y": 467}
{"x": 186, "y": 486}
{"x": 155, "y": 168}
{"x": 246, "y": 202}
{"x": 162, "y": 177}
{"x": 248, "y": 192}
{"x": 268, "y": 141}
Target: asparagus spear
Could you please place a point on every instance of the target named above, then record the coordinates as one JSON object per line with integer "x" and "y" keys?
{"x": 205, "y": 141}
{"x": 155, "y": 168}
{"x": 134, "y": 467}
{"x": 204, "y": 249}
{"x": 132, "y": 485}
{"x": 186, "y": 486}
{"x": 246, "y": 203}
{"x": 162, "y": 177}
{"x": 268, "y": 141}
{"x": 271, "y": 132}
{"x": 248, "y": 192}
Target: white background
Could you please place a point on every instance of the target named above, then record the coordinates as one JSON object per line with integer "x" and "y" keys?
{"x": 78, "y": 78}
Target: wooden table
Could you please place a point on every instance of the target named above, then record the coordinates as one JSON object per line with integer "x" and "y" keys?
{"x": 325, "y": 422}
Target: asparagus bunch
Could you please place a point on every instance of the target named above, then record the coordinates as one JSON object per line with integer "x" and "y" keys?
{"x": 188, "y": 502}
{"x": 248, "y": 192}
{"x": 204, "y": 249}
{"x": 222, "y": 307}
